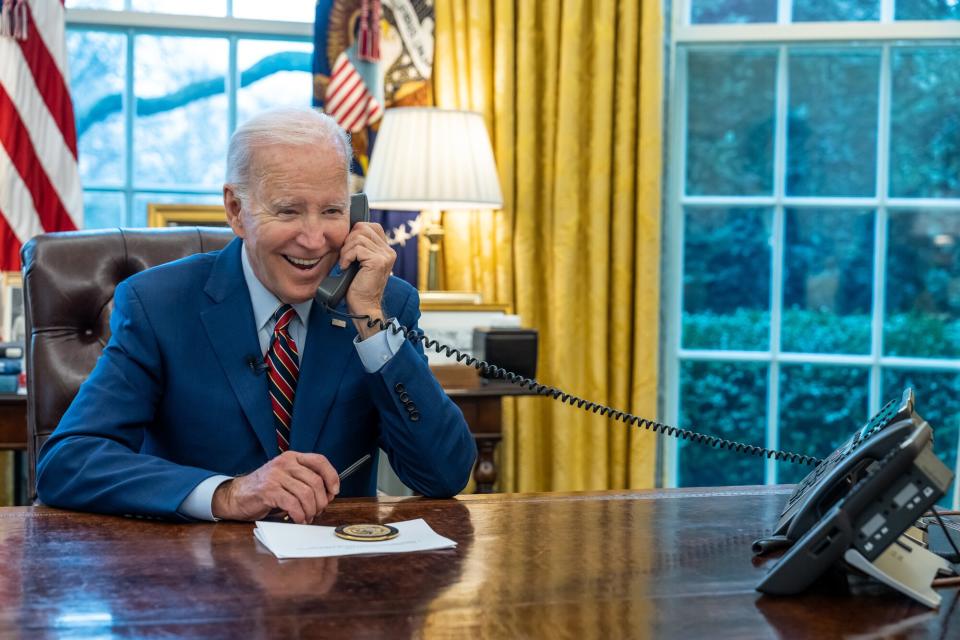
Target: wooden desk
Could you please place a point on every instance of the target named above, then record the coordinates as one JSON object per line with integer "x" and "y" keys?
{"x": 612, "y": 565}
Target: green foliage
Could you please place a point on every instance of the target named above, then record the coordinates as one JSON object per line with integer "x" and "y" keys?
{"x": 920, "y": 334}
{"x": 820, "y": 405}
{"x": 730, "y": 139}
{"x": 743, "y": 329}
{"x": 806, "y": 331}
{"x": 832, "y": 122}
{"x": 925, "y": 124}
{"x": 727, "y": 400}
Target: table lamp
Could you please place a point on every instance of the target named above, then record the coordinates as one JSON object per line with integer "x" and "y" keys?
{"x": 430, "y": 159}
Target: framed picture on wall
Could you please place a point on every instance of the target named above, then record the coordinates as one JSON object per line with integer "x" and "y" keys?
{"x": 186, "y": 215}
{"x": 11, "y": 307}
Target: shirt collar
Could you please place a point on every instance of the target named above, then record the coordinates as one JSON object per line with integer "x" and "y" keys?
{"x": 265, "y": 304}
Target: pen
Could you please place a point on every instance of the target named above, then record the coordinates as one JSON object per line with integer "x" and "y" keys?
{"x": 278, "y": 514}
{"x": 346, "y": 473}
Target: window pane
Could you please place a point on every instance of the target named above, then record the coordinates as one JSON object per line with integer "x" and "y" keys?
{"x": 820, "y": 11}
{"x": 726, "y": 11}
{"x": 180, "y": 132}
{"x": 925, "y": 123}
{"x": 923, "y": 284}
{"x": 102, "y": 209}
{"x": 727, "y": 400}
{"x": 730, "y": 123}
{"x": 293, "y": 10}
{"x": 828, "y": 281}
{"x": 832, "y": 122}
{"x": 928, "y": 10}
{"x": 819, "y": 408}
{"x": 187, "y": 7}
{"x": 726, "y": 278}
{"x": 97, "y": 61}
{"x": 273, "y": 74}
{"x": 938, "y": 401}
{"x": 141, "y": 200}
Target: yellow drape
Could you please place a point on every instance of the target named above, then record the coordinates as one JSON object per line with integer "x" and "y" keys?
{"x": 571, "y": 92}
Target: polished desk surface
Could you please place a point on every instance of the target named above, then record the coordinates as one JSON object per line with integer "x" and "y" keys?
{"x": 612, "y": 564}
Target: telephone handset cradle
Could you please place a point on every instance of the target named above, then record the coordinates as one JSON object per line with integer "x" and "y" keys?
{"x": 866, "y": 526}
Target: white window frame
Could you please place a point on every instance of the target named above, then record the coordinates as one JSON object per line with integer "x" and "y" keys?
{"x": 685, "y": 36}
{"x": 132, "y": 23}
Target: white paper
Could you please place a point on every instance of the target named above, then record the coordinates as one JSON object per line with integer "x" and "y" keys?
{"x": 286, "y": 540}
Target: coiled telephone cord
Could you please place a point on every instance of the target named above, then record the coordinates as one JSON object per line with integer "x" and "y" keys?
{"x": 544, "y": 390}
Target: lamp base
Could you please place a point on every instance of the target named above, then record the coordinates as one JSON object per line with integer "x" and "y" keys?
{"x": 434, "y": 233}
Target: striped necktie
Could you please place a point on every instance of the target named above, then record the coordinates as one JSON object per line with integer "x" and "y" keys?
{"x": 283, "y": 363}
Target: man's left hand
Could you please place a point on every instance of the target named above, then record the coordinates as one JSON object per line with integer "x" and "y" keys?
{"x": 367, "y": 243}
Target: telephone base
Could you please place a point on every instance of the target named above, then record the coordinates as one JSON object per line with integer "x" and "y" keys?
{"x": 910, "y": 569}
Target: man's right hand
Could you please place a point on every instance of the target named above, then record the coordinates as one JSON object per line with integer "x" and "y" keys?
{"x": 301, "y": 484}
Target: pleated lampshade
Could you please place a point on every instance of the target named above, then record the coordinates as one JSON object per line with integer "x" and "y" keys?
{"x": 429, "y": 158}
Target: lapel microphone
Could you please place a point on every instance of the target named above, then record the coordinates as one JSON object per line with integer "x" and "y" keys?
{"x": 257, "y": 365}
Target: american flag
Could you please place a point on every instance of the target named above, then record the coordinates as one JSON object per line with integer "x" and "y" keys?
{"x": 348, "y": 100}
{"x": 39, "y": 176}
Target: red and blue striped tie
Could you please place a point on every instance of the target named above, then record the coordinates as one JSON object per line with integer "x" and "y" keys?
{"x": 283, "y": 363}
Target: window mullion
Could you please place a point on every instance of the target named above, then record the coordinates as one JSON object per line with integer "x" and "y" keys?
{"x": 232, "y": 85}
{"x": 784, "y": 11}
{"x": 667, "y": 447}
{"x": 129, "y": 113}
{"x": 776, "y": 272}
{"x": 880, "y": 232}
{"x": 886, "y": 10}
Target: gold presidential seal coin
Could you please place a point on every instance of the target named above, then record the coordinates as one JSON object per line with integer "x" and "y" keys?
{"x": 366, "y": 532}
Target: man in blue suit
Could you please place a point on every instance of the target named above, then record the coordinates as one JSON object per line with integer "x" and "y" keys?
{"x": 225, "y": 392}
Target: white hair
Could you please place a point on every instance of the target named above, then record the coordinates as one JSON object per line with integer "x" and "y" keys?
{"x": 301, "y": 127}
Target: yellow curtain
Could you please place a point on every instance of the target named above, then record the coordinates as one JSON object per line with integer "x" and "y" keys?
{"x": 571, "y": 91}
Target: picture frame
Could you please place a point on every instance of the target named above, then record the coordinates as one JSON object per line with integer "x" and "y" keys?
{"x": 186, "y": 215}
{"x": 453, "y": 325}
{"x": 12, "y": 309}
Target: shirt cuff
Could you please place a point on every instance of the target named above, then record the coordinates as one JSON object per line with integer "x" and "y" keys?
{"x": 377, "y": 350}
{"x": 199, "y": 504}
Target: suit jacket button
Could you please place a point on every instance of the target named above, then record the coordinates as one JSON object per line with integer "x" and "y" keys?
{"x": 399, "y": 388}
{"x": 414, "y": 416}
{"x": 404, "y": 397}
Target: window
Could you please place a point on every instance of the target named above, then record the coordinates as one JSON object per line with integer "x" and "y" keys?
{"x": 157, "y": 96}
{"x": 813, "y": 226}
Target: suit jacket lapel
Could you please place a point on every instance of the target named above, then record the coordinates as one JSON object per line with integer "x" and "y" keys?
{"x": 326, "y": 357}
{"x": 232, "y": 331}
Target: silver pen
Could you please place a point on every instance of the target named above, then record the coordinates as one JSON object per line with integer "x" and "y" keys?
{"x": 356, "y": 465}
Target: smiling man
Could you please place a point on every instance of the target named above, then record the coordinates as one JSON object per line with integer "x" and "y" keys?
{"x": 227, "y": 392}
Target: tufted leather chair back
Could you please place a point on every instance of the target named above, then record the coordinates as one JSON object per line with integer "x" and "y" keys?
{"x": 68, "y": 284}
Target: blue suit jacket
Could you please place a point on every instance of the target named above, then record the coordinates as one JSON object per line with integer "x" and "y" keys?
{"x": 173, "y": 399}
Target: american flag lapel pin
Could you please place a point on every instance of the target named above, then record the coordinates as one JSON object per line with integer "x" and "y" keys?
{"x": 337, "y": 322}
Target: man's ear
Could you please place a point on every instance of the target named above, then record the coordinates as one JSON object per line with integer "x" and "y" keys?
{"x": 233, "y": 205}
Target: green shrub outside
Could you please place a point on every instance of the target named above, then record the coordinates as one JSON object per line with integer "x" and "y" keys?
{"x": 820, "y": 405}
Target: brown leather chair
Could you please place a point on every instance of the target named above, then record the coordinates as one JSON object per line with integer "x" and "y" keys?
{"x": 68, "y": 284}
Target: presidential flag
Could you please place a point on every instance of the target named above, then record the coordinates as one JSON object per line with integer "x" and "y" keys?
{"x": 370, "y": 55}
{"x": 39, "y": 176}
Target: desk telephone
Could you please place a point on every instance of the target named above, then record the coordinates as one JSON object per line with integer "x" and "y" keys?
{"x": 853, "y": 505}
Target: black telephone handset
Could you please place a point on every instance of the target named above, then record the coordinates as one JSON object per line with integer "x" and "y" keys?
{"x": 334, "y": 287}
{"x": 868, "y": 492}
